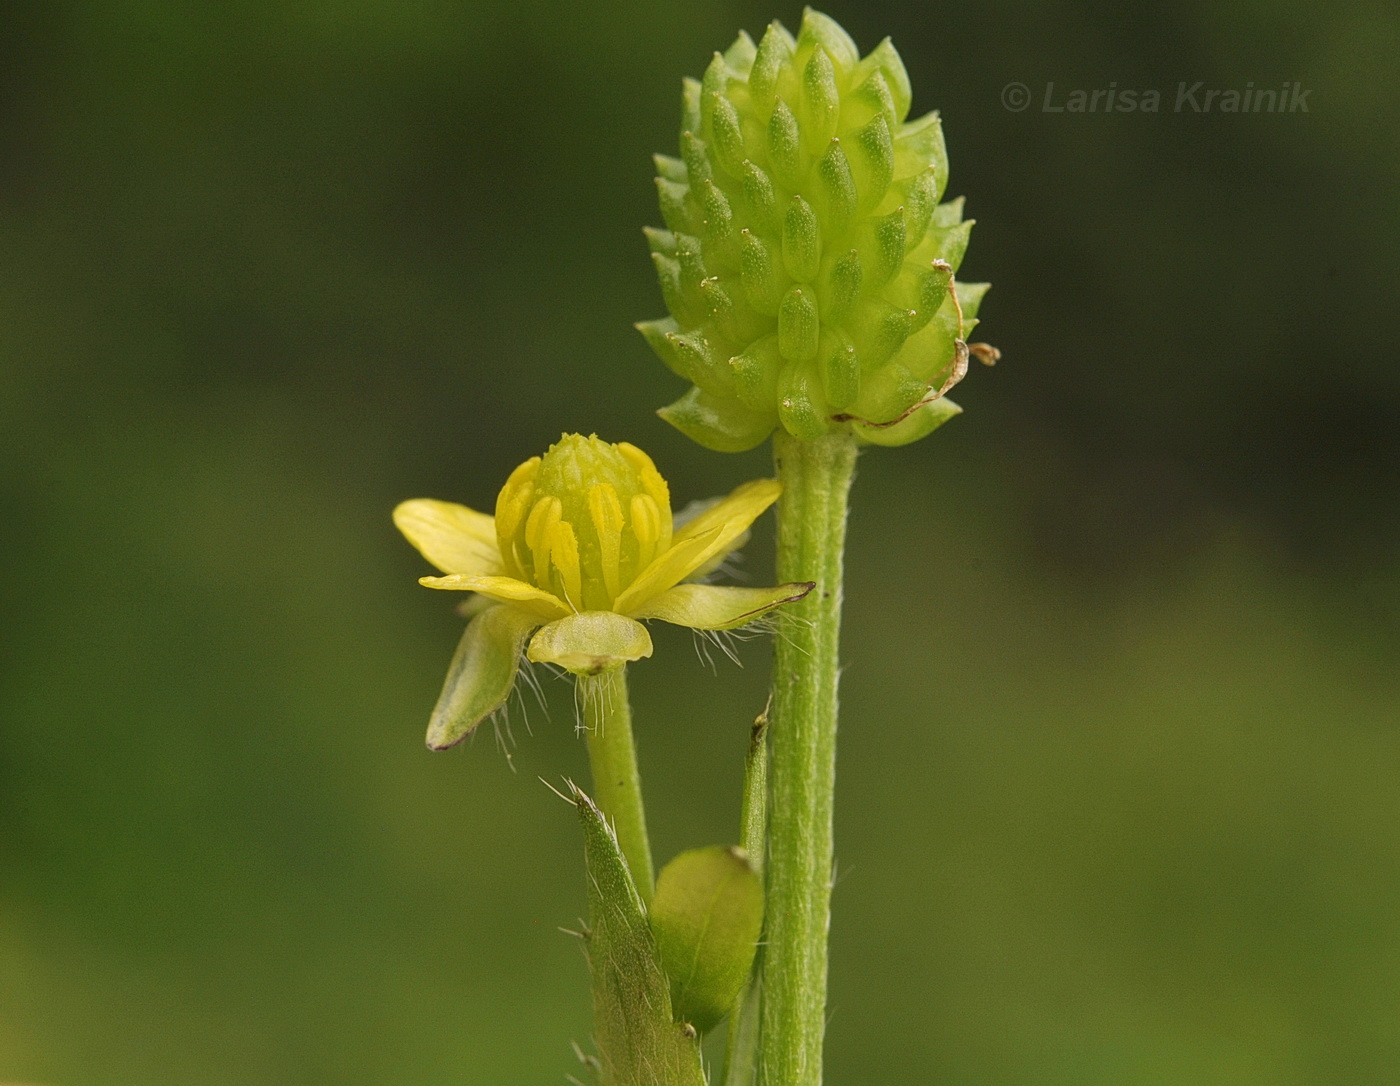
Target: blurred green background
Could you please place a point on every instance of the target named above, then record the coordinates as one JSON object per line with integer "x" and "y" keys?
{"x": 1119, "y": 796}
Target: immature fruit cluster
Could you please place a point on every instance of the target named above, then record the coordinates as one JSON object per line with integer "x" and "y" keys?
{"x": 807, "y": 263}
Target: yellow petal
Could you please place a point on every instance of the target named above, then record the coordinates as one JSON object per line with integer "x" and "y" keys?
{"x": 667, "y": 569}
{"x": 712, "y": 607}
{"x": 740, "y": 509}
{"x": 450, "y": 536}
{"x": 590, "y": 642}
{"x": 505, "y": 589}
{"x": 713, "y": 532}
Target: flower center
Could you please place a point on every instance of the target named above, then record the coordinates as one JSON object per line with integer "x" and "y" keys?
{"x": 583, "y": 520}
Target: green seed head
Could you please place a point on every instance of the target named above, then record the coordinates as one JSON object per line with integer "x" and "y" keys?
{"x": 806, "y": 262}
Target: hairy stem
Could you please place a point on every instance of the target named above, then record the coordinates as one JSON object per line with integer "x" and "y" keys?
{"x": 816, "y": 478}
{"x": 741, "y": 1050}
{"x": 612, "y": 756}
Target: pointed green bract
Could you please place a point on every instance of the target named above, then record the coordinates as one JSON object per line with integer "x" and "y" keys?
{"x": 706, "y": 916}
{"x": 639, "y": 1042}
{"x": 806, "y": 249}
{"x": 481, "y": 675}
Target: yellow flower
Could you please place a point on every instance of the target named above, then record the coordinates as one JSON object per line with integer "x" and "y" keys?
{"x": 582, "y": 546}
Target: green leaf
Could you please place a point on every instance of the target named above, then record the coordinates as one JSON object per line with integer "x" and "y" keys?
{"x": 706, "y": 916}
{"x": 639, "y": 1043}
{"x": 482, "y": 673}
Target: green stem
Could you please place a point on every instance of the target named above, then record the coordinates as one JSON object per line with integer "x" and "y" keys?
{"x": 816, "y": 478}
{"x": 607, "y": 721}
{"x": 741, "y": 1050}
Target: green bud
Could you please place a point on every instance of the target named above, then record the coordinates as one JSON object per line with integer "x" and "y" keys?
{"x": 807, "y": 263}
{"x": 706, "y": 917}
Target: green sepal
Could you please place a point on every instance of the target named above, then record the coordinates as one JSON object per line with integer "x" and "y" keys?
{"x": 590, "y": 642}
{"x": 720, "y": 425}
{"x": 482, "y": 673}
{"x": 919, "y": 423}
{"x": 639, "y": 1043}
{"x": 706, "y": 918}
{"x": 719, "y": 607}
